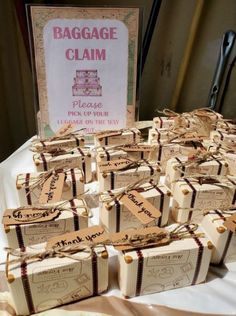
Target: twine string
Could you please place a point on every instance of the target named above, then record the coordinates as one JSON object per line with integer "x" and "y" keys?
{"x": 135, "y": 164}
{"x": 43, "y": 177}
{"x": 59, "y": 137}
{"x": 110, "y": 131}
{"x": 134, "y": 240}
{"x": 219, "y": 180}
{"x": 228, "y": 211}
{"x": 121, "y": 192}
{"x": 180, "y": 128}
{"x": 124, "y": 147}
{"x": 197, "y": 159}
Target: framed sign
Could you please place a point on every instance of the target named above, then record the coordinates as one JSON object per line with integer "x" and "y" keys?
{"x": 85, "y": 62}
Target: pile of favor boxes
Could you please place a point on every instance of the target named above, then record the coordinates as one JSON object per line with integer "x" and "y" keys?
{"x": 186, "y": 169}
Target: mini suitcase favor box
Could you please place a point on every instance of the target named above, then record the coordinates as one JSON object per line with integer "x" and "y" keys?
{"x": 29, "y": 185}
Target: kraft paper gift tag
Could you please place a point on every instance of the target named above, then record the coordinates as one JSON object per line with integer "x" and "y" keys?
{"x": 115, "y": 216}
{"x": 27, "y": 226}
{"x": 29, "y": 186}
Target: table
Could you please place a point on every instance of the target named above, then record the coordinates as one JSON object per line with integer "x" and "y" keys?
{"x": 216, "y": 296}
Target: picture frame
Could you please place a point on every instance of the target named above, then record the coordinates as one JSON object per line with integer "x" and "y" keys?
{"x": 85, "y": 66}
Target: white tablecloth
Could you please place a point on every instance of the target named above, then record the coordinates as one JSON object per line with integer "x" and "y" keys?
{"x": 216, "y": 296}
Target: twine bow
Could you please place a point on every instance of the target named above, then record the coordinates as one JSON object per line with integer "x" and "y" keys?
{"x": 67, "y": 136}
{"x": 58, "y": 137}
{"x": 206, "y": 112}
{"x": 228, "y": 211}
{"x": 217, "y": 180}
{"x": 184, "y": 134}
{"x": 168, "y": 112}
{"x": 109, "y": 198}
{"x": 201, "y": 121}
{"x": 110, "y": 131}
{"x": 181, "y": 131}
{"x": 196, "y": 159}
{"x": 65, "y": 252}
{"x": 134, "y": 240}
{"x": 43, "y": 177}
{"x": 200, "y": 112}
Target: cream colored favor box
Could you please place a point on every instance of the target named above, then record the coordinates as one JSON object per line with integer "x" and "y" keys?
{"x": 163, "y": 152}
{"x": 36, "y": 286}
{"x": 74, "y": 158}
{"x": 115, "y": 216}
{"x": 140, "y": 151}
{"x": 117, "y": 179}
{"x": 182, "y": 215}
{"x": 228, "y": 154}
{"x": 108, "y": 154}
{"x": 73, "y": 216}
{"x": 109, "y": 138}
{"x": 163, "y": 122}
{"x": 156, "y": 135}
{"x": 212, "y": 194}
{"x": 230, "y": 157}
{"x": 178, "y": 167}
{"x": 29, "y": 191}
{"x": 149, "y": 270}
{"x": 73, "y": 141}
{"x": 224, "y": 240}
{"x": 221, "y": 136}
